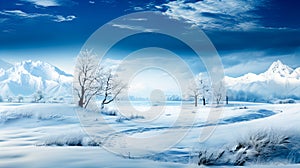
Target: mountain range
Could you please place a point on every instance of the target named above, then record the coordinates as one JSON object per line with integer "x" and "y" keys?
{"x": 278, "y": 82}
{"x": 28, "y": 77}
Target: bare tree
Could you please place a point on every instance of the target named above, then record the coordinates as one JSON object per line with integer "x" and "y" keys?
{"x": 38, "y": 97}
{"x": 20, "y": 99}
{"x": 219, "y": 91}
{"x": 198, "y": 88}
{"x": 92, "y": 80}
{"x": 194, "y": 92}
{"x": 112, "y": 88}
{"x": 87, "y": 78}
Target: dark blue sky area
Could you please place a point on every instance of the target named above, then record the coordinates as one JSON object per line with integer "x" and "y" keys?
{"x": 48, "y": 29}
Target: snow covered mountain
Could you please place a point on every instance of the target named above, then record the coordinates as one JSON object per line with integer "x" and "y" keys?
{"x": 4, "y": 66}
{"x": 28, "y": 77}
{"x": 278, "y": 82}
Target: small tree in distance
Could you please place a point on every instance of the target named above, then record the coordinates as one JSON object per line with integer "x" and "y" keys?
{"x": 198, "y": 88}
{"x": 219, "y": 91}
{"x": 20, "y": 99}
{"x": 194, "y": 92}
{"x": 38, "y": 96}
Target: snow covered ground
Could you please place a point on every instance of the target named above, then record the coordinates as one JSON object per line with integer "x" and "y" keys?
{"x": 57, "y": 135}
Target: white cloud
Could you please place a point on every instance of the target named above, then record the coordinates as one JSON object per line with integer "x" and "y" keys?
{"x": 44, "y": 3}
{"x": 137, "y": 8}
{"x": 138, "y": 19}
{"x": 59, "y": 18}
{"x": 22, "y": 14}
{"x": 7, "y": 30}
{"x": 216, "y": 14}
{"x": 132, "y": 27}
{"x": 246, "y": 67}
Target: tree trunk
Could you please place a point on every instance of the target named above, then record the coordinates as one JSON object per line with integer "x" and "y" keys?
{"x": 80, "y": 102}
{"x": 226, "y": 99}
{"x": 203, "y": 100}
{"x": 196, "y": 100}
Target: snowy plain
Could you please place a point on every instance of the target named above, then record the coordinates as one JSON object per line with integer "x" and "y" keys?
{"x": 60, "y": 135}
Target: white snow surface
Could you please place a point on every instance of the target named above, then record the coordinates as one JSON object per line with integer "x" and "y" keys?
{"x": 52, "y": 135}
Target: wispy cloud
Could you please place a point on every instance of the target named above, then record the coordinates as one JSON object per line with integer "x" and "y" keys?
{"x": 216, "y": 14}
{"x": 59, "y": 18}
{"x": 132, "y": 27}
{"x": 22, "y": 14}
{"x": 138, "y": 19}
{"x": 44, "y": 3}
{"x": 92, "y": 2}
{"x": 3, "y": 20}
{"x": 7, "y": 30}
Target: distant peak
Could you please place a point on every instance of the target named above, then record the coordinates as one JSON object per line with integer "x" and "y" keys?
{"x": 277, "y": 63}
{"x": 278, "y": 67}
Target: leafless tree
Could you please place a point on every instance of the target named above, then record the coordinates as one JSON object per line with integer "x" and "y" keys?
{"x": 92, "y": 80}
{"x": 219, "y": 91}
{"x": 194, "y": 92}
{"x": 198, "y": 88}
{"x": 112, "y": 88}
{"x": 20, "y": 99}
{"x": 38, "y": 96}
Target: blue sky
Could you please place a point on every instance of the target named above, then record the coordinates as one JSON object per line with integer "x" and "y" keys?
{"x": 249, "y": 35}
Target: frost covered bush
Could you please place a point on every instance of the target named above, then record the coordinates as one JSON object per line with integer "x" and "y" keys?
{"x": 209, "y": 159}
{"x": 260, "y": 147}
{"x": 6, "y": 116}
{"x": 132, "y": 117}
{"x": 69, "y": 139}
{"x": 109, "y": 111}
{"x": 285, "y": 101}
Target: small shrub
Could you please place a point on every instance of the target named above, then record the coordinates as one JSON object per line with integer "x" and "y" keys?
{"x": 109, "y": 113}
{"x": 209, "y": 159}
{"x": 260, "y": 147}
{"x": 132, "y": 117}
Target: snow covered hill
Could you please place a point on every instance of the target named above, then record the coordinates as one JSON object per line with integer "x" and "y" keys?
{"x": 4, "y": 65}
{"x": 28, "y": 77}
{"x": 278, "y": 82}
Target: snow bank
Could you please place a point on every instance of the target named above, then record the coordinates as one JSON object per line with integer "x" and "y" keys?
{"x": 72, "y": 138}
{"x": 8, "y": 116}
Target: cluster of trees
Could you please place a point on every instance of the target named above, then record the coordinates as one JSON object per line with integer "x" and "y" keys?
{"x": 202, "y": 88}
{"x": 92, "y": 80}
{"x": 37, "y": 97}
